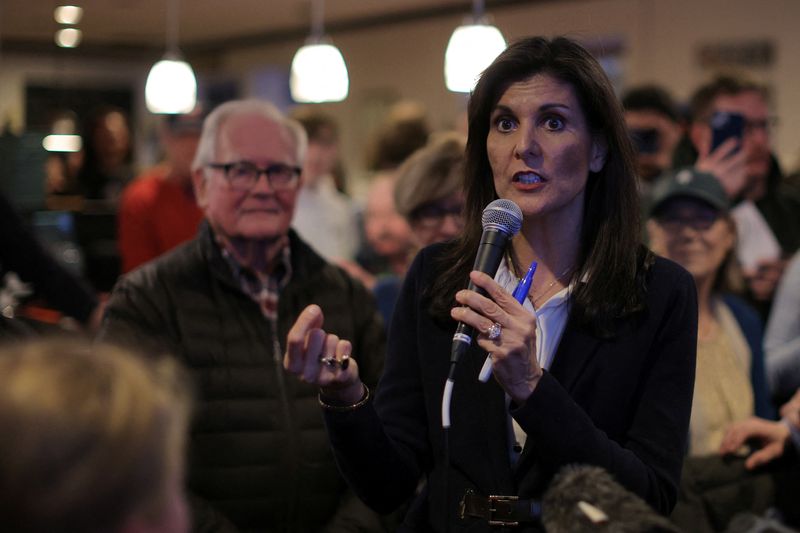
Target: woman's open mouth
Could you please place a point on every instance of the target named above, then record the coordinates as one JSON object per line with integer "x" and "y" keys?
{"x": 528, "y": 178}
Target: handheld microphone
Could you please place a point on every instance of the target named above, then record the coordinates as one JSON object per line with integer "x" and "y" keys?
{"x": 501, "y": 220}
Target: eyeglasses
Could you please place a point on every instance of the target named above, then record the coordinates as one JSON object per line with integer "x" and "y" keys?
{"x": 699, "y": 222}
{"x": 762, "y": 124}
{"x": 753, "y": 125}
{"x": 431, "y": 215}
{"x": 243, "y": 175}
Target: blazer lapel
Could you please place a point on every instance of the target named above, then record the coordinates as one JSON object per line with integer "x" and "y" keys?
{"x": 576, "y": 349}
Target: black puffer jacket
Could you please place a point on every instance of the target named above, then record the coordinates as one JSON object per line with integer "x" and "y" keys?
{"x": 259, "y": 453}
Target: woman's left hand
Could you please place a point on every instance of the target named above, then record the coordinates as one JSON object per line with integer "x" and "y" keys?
{"x": 514, "y": 362}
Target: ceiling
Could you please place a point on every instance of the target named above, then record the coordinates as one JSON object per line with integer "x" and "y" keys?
{"x": 116, "y": 26}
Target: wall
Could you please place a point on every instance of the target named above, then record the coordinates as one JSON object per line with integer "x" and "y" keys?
{"x": 661, "y": 39}
{"x": 406, "y": 60}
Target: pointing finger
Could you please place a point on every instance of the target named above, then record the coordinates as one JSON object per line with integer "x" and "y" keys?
{"x": 310, "y": 318}
{"x": 315, "y": 343}
{"x": 327, "y": 348}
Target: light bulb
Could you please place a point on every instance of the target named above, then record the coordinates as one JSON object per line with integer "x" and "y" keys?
{"x": 319, "y": 74}
{"x": 471, "y": 49}
{"x": 68, "y": 37}
{"x": 171, "y": 87}
{"x": 68, "y": 14}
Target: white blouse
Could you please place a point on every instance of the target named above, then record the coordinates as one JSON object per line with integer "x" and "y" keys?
{"x": 551, "y": 319}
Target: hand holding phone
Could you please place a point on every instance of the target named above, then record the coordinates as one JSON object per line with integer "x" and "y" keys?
{"x": 725, "y": 158}
{"x": 725, "y": 125}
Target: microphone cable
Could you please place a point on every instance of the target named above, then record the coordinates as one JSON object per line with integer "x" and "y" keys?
{"x": 501, "y": 220}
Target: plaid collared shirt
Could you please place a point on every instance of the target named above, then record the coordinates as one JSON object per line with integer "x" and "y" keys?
{"x": 263, "y": 289}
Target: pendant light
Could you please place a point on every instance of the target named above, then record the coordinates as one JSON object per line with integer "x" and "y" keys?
{"x": 171, "y": 86}
{"x": 319, "y": 73}
{"x": 472, "y": 47}
{"x": 70, "y": 15}
{"x": 69, "y": 37}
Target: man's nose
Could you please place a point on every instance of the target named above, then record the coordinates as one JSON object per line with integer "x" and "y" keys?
{"x": 687, "y": 230}
{"x": 262, "y": 184}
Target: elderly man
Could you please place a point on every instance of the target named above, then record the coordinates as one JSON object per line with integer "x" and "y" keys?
{"x": 223, "y": 304}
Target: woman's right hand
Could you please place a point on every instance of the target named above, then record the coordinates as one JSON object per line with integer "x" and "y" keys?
{"x": 323, "y": 359}
{"x": 514, "y": 363}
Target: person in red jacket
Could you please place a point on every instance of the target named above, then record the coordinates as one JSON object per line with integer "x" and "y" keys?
{"x": 158, "y": 210}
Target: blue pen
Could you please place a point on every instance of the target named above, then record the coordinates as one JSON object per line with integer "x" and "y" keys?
{"x": 524, "y": 285}
{"x": 519, "y": 294}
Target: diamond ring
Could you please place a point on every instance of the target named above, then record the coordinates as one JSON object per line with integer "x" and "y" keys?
{"x": 329, "y": 361}
{"x": 493, "y": 333}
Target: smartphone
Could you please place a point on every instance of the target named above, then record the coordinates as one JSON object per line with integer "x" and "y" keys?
{"x": 725, "y": 125}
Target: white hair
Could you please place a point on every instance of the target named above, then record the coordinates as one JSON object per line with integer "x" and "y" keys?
{"x": 208, "y": 138}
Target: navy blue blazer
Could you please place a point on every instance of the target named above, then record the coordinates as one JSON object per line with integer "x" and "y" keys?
{"x": 622, "y": 404}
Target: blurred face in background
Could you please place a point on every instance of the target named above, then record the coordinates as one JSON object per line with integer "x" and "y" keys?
{"x": 655, "y": 136}
{"x": 756, "y": 140}
{"x": 112, "y": 139}
{"x": 321, "y": 157}
{"x": 180, "y": 147}
{"x": 386, "y": 230}
{"x": 693, "y": 234}
{"x": 438, "y": 221}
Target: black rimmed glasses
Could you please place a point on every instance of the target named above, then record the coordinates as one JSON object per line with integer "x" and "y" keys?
{"x": 432, "y": 214}
{"x": 243, "y": 175}
{"x": 762, "y": 124}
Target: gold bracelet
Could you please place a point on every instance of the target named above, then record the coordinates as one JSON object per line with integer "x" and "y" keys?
{"x": 345, "y": 408}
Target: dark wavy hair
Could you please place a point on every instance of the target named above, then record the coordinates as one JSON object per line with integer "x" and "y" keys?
{"x": 611, "y": 258}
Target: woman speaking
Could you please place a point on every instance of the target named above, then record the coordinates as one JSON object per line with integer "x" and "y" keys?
{"x": 596, "y": 366}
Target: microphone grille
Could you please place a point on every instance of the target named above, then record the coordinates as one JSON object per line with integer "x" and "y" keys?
{"x": 502, "y": 215}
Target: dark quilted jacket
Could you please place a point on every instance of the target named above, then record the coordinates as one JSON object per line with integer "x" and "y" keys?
{"x": 258, "y": 452}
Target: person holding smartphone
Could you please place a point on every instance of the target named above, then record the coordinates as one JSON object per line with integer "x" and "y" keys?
{"x": 766, "y": 210}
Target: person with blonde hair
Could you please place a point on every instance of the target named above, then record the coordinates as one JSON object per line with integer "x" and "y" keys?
{"x": 93, "y": 440}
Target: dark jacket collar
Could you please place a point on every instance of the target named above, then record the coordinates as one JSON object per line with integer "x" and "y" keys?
{"x": 305, "y": 261}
